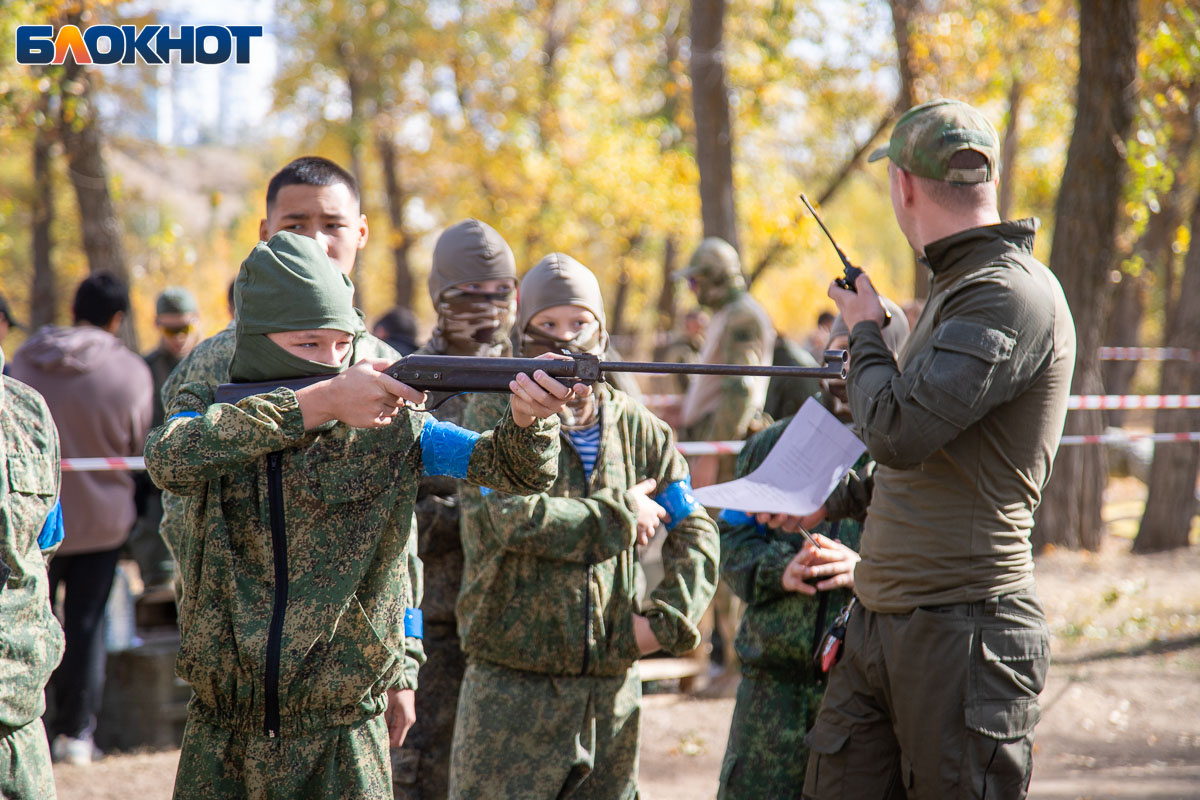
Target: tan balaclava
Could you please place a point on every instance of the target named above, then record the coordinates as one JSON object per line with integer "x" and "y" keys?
{"x": 471, "y": 323}
{"x": 559, "y": 280}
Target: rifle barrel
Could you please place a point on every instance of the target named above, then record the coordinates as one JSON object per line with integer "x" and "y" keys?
{"x": 832, "y": 369}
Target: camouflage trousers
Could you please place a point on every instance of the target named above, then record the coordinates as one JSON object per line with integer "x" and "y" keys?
{"x": 25, "y": 771}
{"x": 766, "y": 755}
{"x": 348, "y": 762}
{"x": 421, "y": 768}
{"x": 528, "y": 736}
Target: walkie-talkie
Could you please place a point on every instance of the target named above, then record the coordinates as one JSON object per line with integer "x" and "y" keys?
{"x": 851, "y": 272}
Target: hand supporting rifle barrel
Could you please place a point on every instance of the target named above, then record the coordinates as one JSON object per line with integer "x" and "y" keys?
{"x": 459, "y": 374}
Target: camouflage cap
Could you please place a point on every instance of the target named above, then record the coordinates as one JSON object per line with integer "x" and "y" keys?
{"x": 714, "y": 258}
{"x": 175, "y": 300}
{"x": 928, "y": 135}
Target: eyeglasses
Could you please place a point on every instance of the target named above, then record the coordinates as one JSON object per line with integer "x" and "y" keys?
{"x": 176, "y": 330}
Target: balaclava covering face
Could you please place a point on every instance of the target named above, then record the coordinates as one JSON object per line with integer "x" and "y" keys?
{"x": 559, "y": 280}
{"x": 471, "y": 323}
{"x": 288, "y": 284}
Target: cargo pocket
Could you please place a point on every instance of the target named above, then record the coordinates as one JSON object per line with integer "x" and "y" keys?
{"x": 956, "y": 378}
{"x": 826, "y": 767}
{"x": 1008, "y": 670}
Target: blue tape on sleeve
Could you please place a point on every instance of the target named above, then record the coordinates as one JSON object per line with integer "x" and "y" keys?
{"x": 414, "y": 624}
{"x": 446, "y": 448}
{"x": 739, "y": 518}
{"x": 183, "y": 415}
{"x": 52, "y": 530}
{"x": 678, "y": 501}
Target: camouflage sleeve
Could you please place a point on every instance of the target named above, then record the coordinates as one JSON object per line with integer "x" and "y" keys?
{"x": 513, "y": 459}
{"x": 852, "y": 495}
{"x": 202, "y": 441}
{"x": 690, "y": 552}
{"x": 414, "y": 648}
{"x": 744, "y": 344}
{"x": 579, "y": 530}
{"x": 973, "y": 362}
{"x": 753, "y": 561}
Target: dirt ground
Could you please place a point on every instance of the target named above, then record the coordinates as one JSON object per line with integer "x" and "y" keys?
{"x": 1121, "y": 703}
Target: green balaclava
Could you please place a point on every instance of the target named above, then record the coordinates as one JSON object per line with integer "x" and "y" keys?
{"x": 559, "y": 280}
{"x": 288, "y": 284}
{"x": 471, "y": 323}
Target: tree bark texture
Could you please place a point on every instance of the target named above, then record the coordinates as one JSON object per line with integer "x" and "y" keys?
{"x": 45, "y": 281}
{"x": 399, "y": 242}
{"x": 714, "y": 134}
{"x": 1171, "y": 503}
{"x": 1009, "y": 148}
{"x": 1084, "y": 252}
{"x": 667, "y": 305}
{"x": 903, "y": 12}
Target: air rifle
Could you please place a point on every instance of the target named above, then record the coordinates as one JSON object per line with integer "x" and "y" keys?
{"x": 458, "y": 374}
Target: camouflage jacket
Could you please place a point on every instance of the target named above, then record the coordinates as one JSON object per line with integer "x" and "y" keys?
{"x": 721, "y": 407}
{"x": 777, "y": 628}
{"x": 31, "y": 640}
{"x": 438, "y": 543}
{"x": 209, "y": 363}
{"x": 549, "y": 582}
{"x": 309, "y": 591}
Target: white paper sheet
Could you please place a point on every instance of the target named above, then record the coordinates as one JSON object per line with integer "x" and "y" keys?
{"x": 801, "y": 470}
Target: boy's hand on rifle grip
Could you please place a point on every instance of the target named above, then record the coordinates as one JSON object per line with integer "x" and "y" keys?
{"x": 541, "y": 396}
{"x": 362, "y": 397}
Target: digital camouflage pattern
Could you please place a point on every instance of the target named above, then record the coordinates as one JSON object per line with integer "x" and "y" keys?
{"x": 928, "y": 135}
{"x": 544, "y": 737}
{"x": 780, "y": 693}
{"x": 31, "y": 640}
{"x": 209, "y": 363}
{"x": 342, "y": 762}
{"x": 149, "y": 549}
{"x": 348, "y": 497}
{"x": 550, "y": 580}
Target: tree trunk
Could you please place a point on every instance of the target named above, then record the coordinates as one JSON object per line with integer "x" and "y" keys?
{"x": 356, "y": 137}
{"x": 620, "y": 305}
{"x": 45, "y": 282}
{"x": 83, "y": 142}
{"x": 400, "y": 241}
{"x": 1123, "y": 329}
{"x": 903, "y": 12}
{"x": 667, "y": 306}
{"x": 710, "y": 108}
{"x": 1008, "y": 150}
{"x": 1084, "y": 252}
{"x": 1171, "y": 503}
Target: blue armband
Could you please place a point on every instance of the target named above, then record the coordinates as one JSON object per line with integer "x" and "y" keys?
{"x": 446, "y": 449}
{"x": 414, "y": 623}
{"x": 739, "y": 518}
{"x": 52, "y": 530}
{"x": 678, "y": 501}
{"x": 183, "y": 415}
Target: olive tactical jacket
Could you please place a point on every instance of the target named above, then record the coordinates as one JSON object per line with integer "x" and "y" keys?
{"x": 292, "y": 565}
{"x": 965, "y": 428}
{"x": 549, "y": 583}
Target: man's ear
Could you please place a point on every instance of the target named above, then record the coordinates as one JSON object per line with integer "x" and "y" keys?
{"x": 907, "y": 185}
{"x": 363, "y": 231}
{"x": 263, "y": 231}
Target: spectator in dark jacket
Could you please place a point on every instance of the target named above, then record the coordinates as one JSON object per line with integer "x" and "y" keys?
{"x": 100, "y": 396}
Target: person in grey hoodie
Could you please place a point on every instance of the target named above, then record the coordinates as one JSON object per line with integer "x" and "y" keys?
{"x": 101, "y": 397}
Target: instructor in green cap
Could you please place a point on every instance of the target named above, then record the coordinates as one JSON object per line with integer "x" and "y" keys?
{"x": 936, "y": 692}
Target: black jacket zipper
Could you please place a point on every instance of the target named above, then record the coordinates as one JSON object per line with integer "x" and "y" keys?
{"x": 279, "y": 552}
{"x": 587, "y": 586}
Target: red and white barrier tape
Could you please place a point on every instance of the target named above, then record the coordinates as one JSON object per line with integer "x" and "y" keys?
{"x": 709, "y": 448}
{"x": 1148, "y": 354}
{"x": 1117, "y": 437}
{"x": 1113, "y": 401}
{"x": 114, "y": 464}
